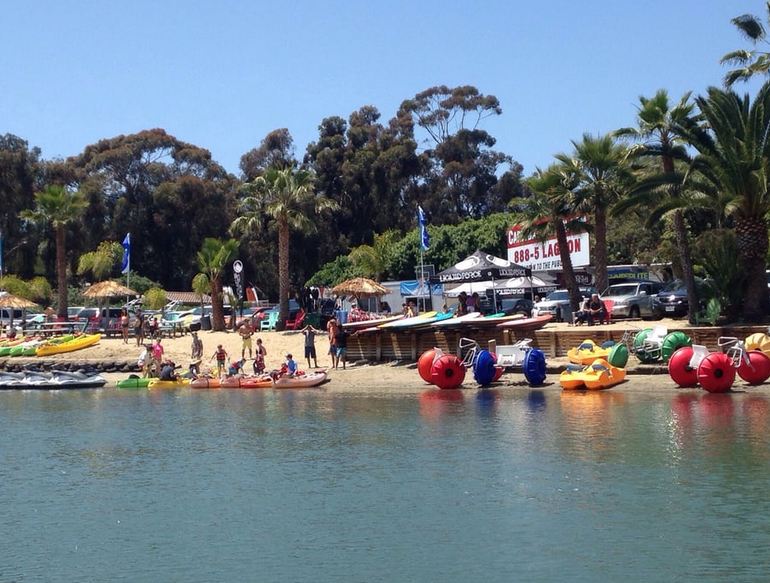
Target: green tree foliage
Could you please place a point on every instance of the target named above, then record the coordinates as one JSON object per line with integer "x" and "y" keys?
{"x": 40, "y": 290}
{"x": 748, "y": 62}
{"x": 154, "y": 299}
{"x": 288, "y": 200}
{"x": 334, "y": 272}
{"x": 16, "y": 286}
{"x": 140, "y": 284}
{"x": 169, "y": 194}
{"x": 102, "y": 262}
{"x": 373, "y": 260}
{"x": 599, "y": 176}
{"x": 733, "y": 159}
{"x": 276, "y": 150}
{"x": 462, "y": 178}
{"x": 57, "y": 207}
{"x": 213, "y": 258}
{"x": 21, "y": 174}
{"x": 715, "y": 252}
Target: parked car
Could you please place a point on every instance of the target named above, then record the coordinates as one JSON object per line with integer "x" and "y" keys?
{"x": 6, "y": 314}
{"x": 557, "y": 303}
{"x": 672, "y": 300}
{"x": 633, "y": 299}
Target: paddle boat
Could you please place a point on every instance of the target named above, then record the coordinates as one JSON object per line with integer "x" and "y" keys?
{"x": 598, "y": 375}
{"x": 715, "y": 372}
{"x": 657, "y": 344}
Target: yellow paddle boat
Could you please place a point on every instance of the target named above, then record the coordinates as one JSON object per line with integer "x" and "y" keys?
{"x": 588, "y": 351}
{"x": 598, "y": 375}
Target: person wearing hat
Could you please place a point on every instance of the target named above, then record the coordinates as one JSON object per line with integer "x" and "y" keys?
{"x": 291, "y": 365}
{"x": 221, "y": 355}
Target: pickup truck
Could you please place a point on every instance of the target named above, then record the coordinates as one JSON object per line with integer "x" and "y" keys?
{"x": 633, "y": 300}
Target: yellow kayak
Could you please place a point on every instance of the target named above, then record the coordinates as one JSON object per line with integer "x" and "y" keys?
{"x": 76, "y": 343}
{"x": 587, "y": 352}
{"x": 177, "y": 384}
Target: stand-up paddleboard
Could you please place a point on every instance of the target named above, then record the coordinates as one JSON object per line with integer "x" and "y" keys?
{"x": 371, "y": 323}
{"x": 493, "y": 320}
{"x": 458, "y": 320}
{"x": 527, "y": 323}
{"x": 425, "y": 318}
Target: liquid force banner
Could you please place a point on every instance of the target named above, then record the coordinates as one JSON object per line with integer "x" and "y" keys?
{"x": 545, "y": 256}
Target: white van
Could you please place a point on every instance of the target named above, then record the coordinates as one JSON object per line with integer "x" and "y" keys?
{"x": 5, "y": 316}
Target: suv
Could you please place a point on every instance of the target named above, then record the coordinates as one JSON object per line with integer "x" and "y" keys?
{"x": 557, "y": 303}
{"x": 633, "y": 299}
{"x": 672, "y": 300}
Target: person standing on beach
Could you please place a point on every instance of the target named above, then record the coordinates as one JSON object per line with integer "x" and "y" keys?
{"x": 246, "y": 332}
{"x": 259, "y": 359}
{"x": 196, "y": 350}
{"x": 309, "y": 333}
{"x": 221, "y": 355}
{"x": 340, "y": 348}
{"x": 139, "y": 327}
{"x": 124, "y": 324}
{"x": 157, "y": 354}
{"x": 331, "y": 328}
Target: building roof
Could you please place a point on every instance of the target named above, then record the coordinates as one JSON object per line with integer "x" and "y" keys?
{"x": 187, "y": 297}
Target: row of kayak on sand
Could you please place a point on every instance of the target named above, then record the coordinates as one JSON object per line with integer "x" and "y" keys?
{"x": 265, "y": 381}
{"x": 442, "y": 320}
{"x": 35, "y": 346}
{"x": 78, "y": 380}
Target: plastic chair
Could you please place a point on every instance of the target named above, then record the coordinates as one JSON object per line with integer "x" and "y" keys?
{"x": 297, "y": 321}
{"x": 270, "y": 322}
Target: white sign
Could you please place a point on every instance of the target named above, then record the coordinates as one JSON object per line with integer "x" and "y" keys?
{"x": 237, "y": 266}
{"x": 545, "y": 256}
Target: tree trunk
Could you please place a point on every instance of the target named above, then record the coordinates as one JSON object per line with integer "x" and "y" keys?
{"x": 752, "y": 240}
{"x": 682, "y": 242}
{"x": 283, "y": 271}
{"x": 600, "y": 249}
{"x": 61, "y": 271}
{"x": 217, "y": 311}
{"x": 566, "y": 265}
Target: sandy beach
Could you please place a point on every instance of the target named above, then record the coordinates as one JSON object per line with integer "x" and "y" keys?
{"x": 358, "y": 376}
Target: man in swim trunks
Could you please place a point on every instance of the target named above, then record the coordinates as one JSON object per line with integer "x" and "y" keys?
{"x": 331, "y": 328}
{"x": 340, "y": 347}
{"x": 309, "y": 333}
{"x": 246, "y": 331}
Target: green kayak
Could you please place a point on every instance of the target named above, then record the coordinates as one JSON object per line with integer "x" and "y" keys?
{"x": 134, "y": 383}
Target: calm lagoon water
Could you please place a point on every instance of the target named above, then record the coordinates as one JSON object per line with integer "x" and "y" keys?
{"x": 519, "y": 485}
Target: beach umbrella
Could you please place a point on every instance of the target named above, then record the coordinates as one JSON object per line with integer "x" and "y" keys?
{"x": 359, "y": 287}
{"x": 108, "y": 289}
{"x": 13, "y": 302}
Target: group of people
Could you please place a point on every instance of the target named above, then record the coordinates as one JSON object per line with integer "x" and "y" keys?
{"x": 467, "y": 304}
{"x": 591, "y": 312}
{"x": 338, "y": 342}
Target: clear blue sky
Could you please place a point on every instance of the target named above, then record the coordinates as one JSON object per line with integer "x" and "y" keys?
{"x": 223, "y": 74}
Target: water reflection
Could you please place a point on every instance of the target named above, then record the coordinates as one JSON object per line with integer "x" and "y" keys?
{"x": 436, "y": 403}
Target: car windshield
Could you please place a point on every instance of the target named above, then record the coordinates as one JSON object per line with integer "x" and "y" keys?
{"x": 621, "y": 290}
{"x": 87, "y": 313}
{"x": 673, "y": 286}
{"x": 557, "y": 296}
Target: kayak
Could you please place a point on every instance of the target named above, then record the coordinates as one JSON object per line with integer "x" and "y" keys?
{"x": 300, "y": 382}
{"x": 206, "y": 383}
{"x": 134, "y": 382}
{"x": 177, "y": 384}
{"x": 76, "y": 343}
{"x": 250, "y": 382}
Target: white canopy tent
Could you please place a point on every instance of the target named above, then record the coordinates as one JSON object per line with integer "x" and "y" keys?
{"x": 514, "y": 284}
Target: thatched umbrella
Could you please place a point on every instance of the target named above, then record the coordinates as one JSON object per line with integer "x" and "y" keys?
{"x": 108, "y": 289}
{"x": 13, "y": 302}
{"x": 359, "y": 287}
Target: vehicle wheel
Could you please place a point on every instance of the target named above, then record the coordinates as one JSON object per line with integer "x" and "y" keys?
{"x": 634, "y": 312}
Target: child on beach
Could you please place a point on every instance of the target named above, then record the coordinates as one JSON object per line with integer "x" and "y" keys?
{"x": 221, "y": 355}
{"x": 157, "y": 354}
{"x": 291, "y": 366}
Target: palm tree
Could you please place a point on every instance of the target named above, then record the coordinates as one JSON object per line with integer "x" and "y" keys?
{"x": 659, "y": 134}
{"x": 733, "y": 157}
{"x": 58, "y": 207}
{"x": 748, "y": 62}
{"x": 287, "y": 199}
{"x": 213, "y": 258}
{"x": 545, "y": 214}
{"x": 599, "y": 174}
{"x": 373, "y": 260}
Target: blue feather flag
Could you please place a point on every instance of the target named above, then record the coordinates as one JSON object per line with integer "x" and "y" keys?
{"x": 424, "y": 237}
